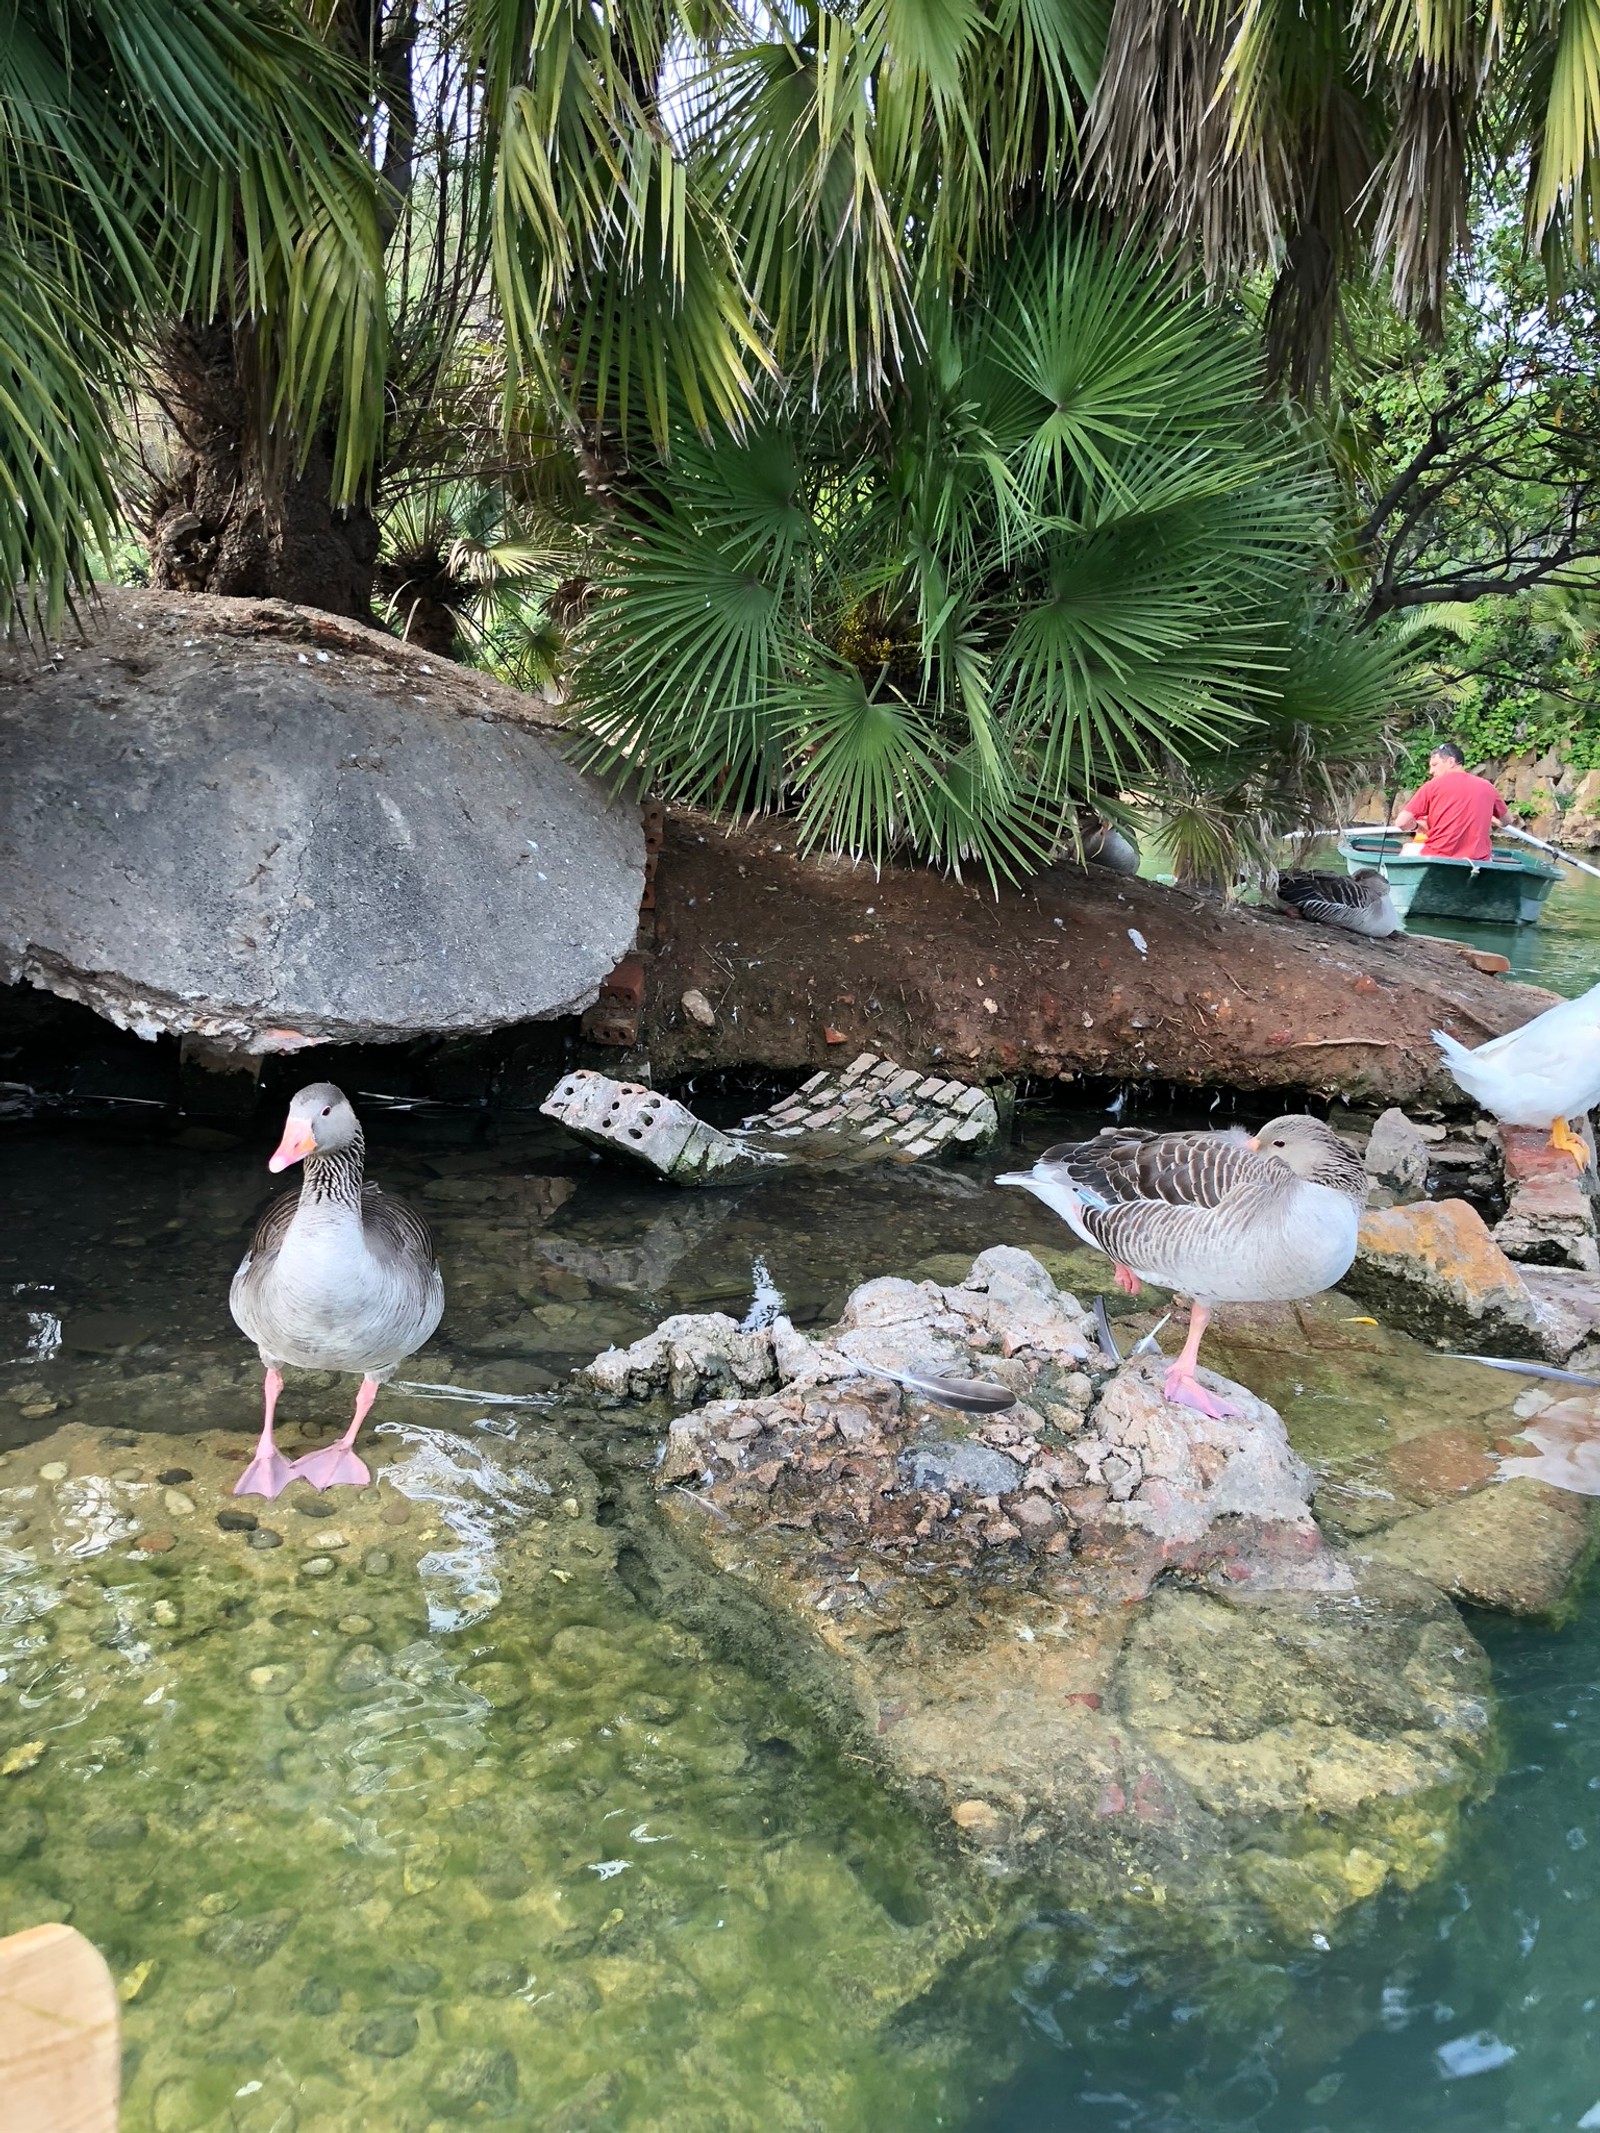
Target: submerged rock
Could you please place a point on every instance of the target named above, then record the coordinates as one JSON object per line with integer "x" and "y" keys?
{"x": 479, "y": 2084}
{"x": 1102, "y": 1637}
{"x": 1519, "y": 1547}
{"x": 362, "y": 1879}
{"x": 1411, "y": 1449}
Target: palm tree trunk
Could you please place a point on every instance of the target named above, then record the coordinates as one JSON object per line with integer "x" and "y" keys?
{"x": 230, "y": 512}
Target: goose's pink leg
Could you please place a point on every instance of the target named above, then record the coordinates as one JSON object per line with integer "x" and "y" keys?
{"x": 336, "y": 1464}
{"x": 268, "y": 1472}
{"x": 1181, "y": 1386}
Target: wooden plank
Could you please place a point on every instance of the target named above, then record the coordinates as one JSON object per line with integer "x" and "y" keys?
{"x": 60, "y": 2051}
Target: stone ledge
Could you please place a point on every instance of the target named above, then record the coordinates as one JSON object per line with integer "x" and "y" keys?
{"x": 1518, "y": 1546}
{"x": 1436, "y": 1272}
{"x": 1100, "y": 1637}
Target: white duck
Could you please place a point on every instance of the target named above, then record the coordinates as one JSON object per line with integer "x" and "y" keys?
{"x": 339, "y": 1276}
{"x": 1542, "y": 1074}
{"x": 1219, "y": 1217}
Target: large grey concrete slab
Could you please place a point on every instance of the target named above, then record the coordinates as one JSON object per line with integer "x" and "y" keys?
{"x": 258, "y": 824}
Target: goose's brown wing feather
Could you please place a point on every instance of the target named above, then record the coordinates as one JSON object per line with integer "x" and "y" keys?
{"x": 395, "y": 1231}
{"x": 1351, "y": 889}
{"x": 271, "y": 1231}
{"x": 1127, "y": 1166}
{"x": 1328, "y": 896}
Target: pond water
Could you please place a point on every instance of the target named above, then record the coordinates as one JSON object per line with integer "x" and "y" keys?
{"x": 1562, "y": 952}
{"x": 415, "y": 1814}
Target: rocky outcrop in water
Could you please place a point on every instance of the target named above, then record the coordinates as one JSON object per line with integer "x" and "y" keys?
{"x": 1479, "y": 1481}
{"x": 259, "y": 826}
{"x": 1101, "y": 1638}
{"x": 1434, "y": 1270}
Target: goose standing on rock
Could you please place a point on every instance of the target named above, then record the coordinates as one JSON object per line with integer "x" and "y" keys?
{"x": 1218, "y": 1217}
{"x": 339, "y": 1276}
{"x": 1358, "y": 902}
{"x": 1542, "y": 1074}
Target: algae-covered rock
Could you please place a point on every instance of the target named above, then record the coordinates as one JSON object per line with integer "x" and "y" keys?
{"x": 1280, "y": 1737}
{"x": 1519, "y": 1547}
{"x": 1412, "y": 1451}
{"x": 1433, "y": 1269}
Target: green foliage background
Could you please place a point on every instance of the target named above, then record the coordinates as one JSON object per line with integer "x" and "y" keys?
{"x": 1523, "y": 682}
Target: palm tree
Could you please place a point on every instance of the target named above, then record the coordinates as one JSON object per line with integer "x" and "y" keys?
{"x": 1072, "y": 558}
{"x": 193, "y": 157}
{"x": 657, "y": 208}
{"x": 1329, "y": 141}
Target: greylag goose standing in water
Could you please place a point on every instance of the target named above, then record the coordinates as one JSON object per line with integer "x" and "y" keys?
{"x": 339, "y": 1276}
{"x": 1358, "y": 902}
{"x": 1219, "y": 1217}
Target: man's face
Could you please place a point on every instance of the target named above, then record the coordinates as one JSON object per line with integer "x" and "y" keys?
{"x": 1440, "y": 766}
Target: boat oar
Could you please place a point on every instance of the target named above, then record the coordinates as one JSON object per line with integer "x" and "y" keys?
{"x": 1555, "y": 851}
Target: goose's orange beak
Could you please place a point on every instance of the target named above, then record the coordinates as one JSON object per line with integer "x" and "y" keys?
{"x": 298, "y": 1142}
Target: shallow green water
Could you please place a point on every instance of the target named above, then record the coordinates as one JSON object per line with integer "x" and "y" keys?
{"x": 1471, "y": 2006}
{"x": 452, "y": 1829}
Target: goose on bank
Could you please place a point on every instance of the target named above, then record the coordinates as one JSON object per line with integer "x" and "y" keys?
{"x": 1358, "y": 902}
{"x": 1218, "y": 1217}
{"x": 339, "y": 1276}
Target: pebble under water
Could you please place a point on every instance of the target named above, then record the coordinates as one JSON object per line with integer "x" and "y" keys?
{"x": 403, "y": 1809}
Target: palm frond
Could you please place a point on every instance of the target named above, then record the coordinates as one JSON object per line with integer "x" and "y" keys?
{"x": 57, "y": 450}
{"x": 198, "y": 157}
{"x": 1068, "y": 556}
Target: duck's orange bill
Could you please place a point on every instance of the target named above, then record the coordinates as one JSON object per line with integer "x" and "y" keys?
{"x": 298, "y": 1142}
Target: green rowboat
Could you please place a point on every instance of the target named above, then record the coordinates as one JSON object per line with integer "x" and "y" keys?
{"x": 1507, "y": 889}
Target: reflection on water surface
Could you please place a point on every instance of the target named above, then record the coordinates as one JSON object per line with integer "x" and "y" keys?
{"x": 1562, "y": 952}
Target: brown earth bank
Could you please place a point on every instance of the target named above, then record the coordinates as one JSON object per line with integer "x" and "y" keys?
{"x": 805, "y": 961}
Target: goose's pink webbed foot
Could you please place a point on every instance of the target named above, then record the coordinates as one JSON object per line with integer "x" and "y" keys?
{"x": 268, "y": 1472}
{"x": 336, "y": 1465}
{"x": 1181, "y": 1387}
{"x": 1126, "y": 1280}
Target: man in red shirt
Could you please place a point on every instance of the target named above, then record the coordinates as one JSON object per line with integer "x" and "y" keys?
{"x": 1460, "y": 810}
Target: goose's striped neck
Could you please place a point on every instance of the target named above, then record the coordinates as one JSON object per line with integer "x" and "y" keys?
{"x": 1340, "y": 1170}
{"x": 334, "y": 1178}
